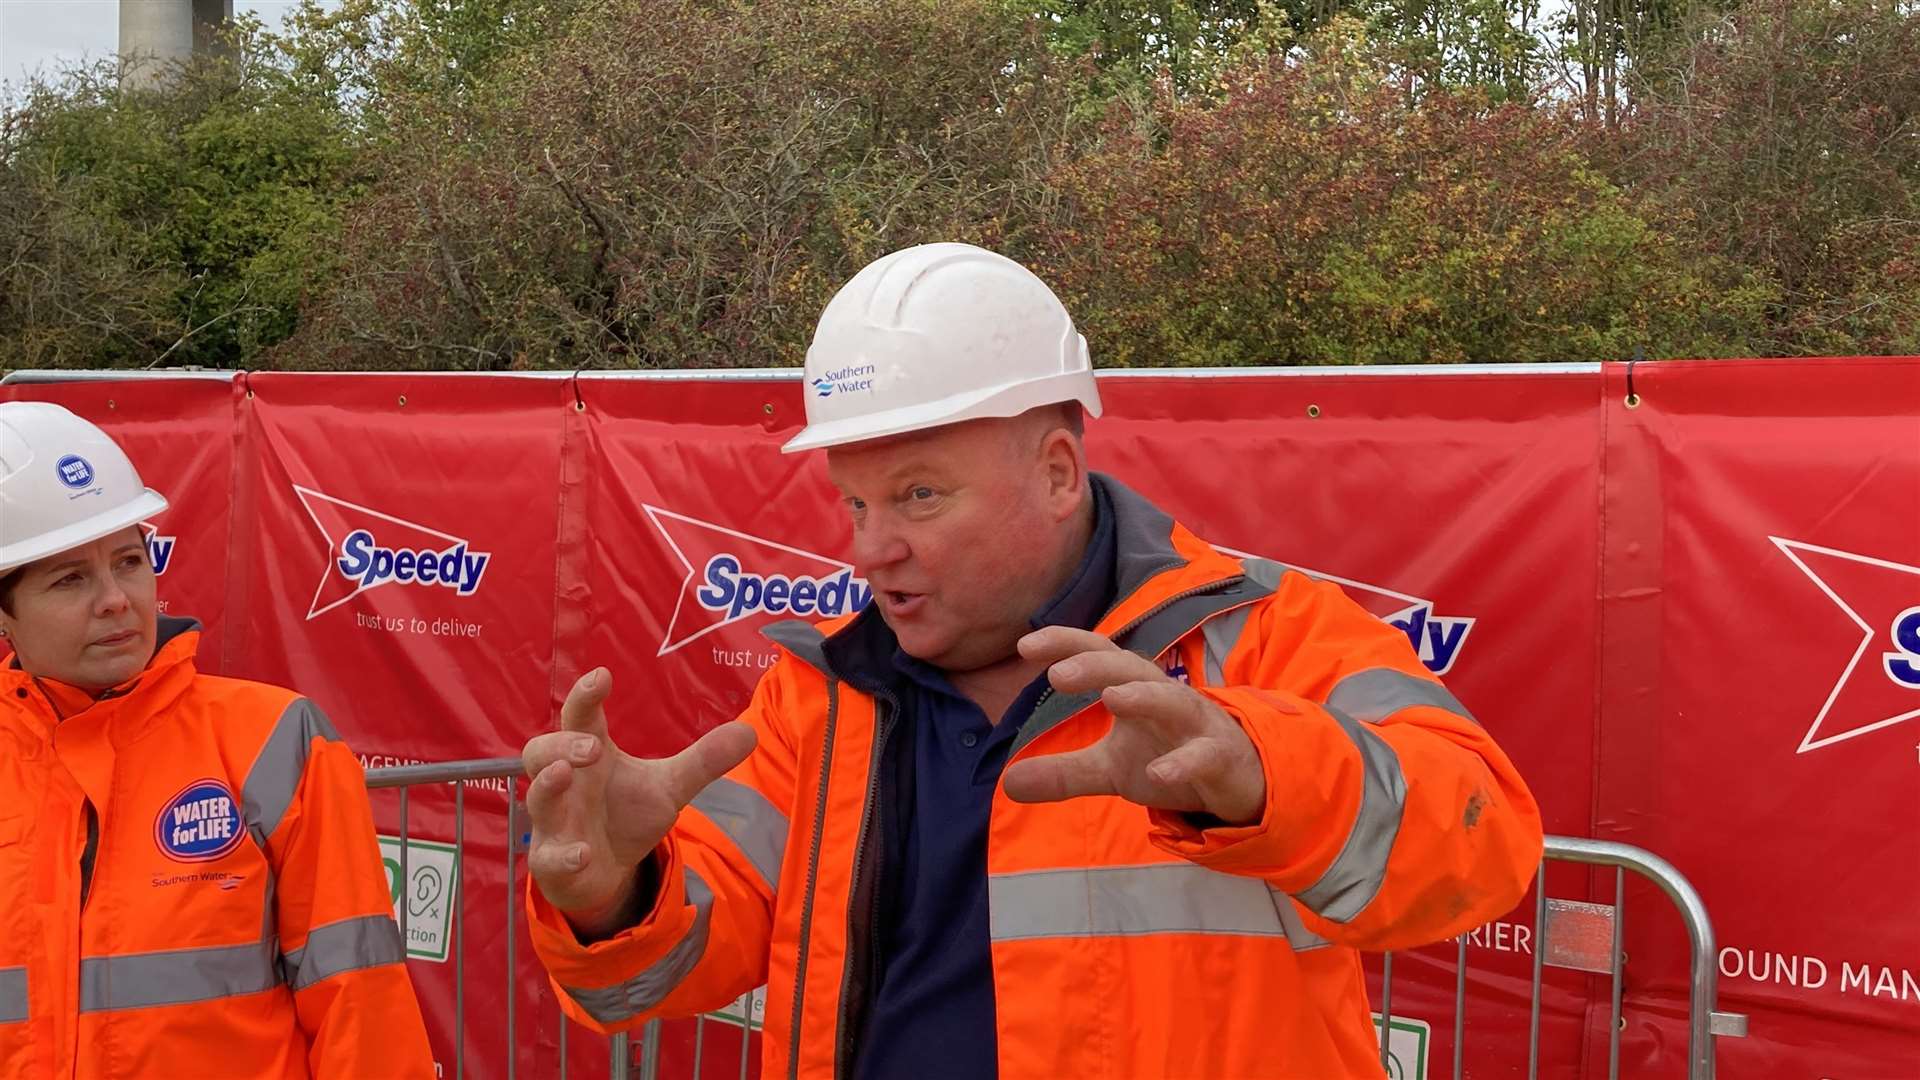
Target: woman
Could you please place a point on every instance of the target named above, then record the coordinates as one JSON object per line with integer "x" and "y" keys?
{"x": 190, "y": 883}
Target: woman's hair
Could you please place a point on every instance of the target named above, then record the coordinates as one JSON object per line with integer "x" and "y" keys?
{"x": 8, "y": 581}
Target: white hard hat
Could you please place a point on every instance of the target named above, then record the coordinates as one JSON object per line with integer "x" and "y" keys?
{"x": 63, "y": 483}
{"x": 934, "y": 335}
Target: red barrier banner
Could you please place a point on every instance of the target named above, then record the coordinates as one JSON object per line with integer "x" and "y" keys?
{"x": 179, "y": 435}
{"x": 1460, "y": 509}
{"x": 1763, "y": 715}
{"x": 1684, "y": 597}
{"x": 401, "y": 572}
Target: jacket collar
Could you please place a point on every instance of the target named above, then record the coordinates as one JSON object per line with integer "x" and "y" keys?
{"x": 177, "y": 640}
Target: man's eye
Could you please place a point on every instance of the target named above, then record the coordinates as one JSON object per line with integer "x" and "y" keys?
{"x": 922, "y": 492}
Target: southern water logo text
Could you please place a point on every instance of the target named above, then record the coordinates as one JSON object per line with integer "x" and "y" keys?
{"x": 847, "y": 380}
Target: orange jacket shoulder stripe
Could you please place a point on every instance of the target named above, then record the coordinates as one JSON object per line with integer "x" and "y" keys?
{"x": 236, "y": 913}
{"x": 1125, "y": 943}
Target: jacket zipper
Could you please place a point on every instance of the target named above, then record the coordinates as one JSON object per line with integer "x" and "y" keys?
{"x": 867, "y": 813}
{"x": 90, "y": 853}
{"x": 813, "y": 873}
{"x": 885, "y": 727}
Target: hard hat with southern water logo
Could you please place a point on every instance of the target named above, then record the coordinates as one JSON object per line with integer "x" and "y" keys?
{"x": 63, "y": 483}
{"x": 934, "y": 335}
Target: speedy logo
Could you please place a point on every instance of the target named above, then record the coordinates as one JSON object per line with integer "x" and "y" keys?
{"x": 159, "y": 548}
{"x": 847, "y": 380}
{"x": 1437, "y": 638}
{"x": 733, "y": 575}
{"x": 199, "y": 824}
{"x": 367, "y": 549}
{"x": 1880, "y": 685}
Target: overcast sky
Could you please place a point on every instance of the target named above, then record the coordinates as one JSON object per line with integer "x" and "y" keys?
{"x": 43, "y": 34}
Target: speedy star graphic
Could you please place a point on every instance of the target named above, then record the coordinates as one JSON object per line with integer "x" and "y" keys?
{"x": 1437, "y": 638}
{"x": 367, "y": 549}
{"x": 1880, "y": 686}
{"x": 159, "y": 548}
{"x": 732, "y": 575}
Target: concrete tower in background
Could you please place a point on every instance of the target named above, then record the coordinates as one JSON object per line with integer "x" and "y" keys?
{"x": 154, "y": 34}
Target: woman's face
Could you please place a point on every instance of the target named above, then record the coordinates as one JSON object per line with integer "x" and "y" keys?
{"x": 86, "y": 616}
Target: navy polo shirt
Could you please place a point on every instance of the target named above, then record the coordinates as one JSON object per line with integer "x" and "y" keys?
{"x": 931, "y": 1015}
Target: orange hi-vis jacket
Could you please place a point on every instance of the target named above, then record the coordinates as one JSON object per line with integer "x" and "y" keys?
{"x": 190, "y": 885}
{"x": 1125, "y": 942}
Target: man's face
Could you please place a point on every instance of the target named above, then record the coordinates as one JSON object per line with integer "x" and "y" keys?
{"x": 86, "y": 616}
{"x": 959, "y": 530}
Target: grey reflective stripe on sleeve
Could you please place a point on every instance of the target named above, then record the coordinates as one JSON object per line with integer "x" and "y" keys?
{"x": 347, "y": 945}
{"x": 275, "y": 776}
{"x": 1353, "y": 880}
{"x": 1121, "y": 901}
{"x": 176, "y": 977}
{"x": 1377, "y": 693}
{"x": 13, "y": 995}
{"x": 1301, "y": 938}
{"x": 750, "y": 821}
{"x": 618, "y": 1004}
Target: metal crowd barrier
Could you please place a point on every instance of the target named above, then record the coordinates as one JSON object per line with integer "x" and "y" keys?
{"x": 1558, "y": 941}
{"x": 1563, "y": 936}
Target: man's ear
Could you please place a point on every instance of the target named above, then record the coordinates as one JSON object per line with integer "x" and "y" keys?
{"x": 1064, "y": 463}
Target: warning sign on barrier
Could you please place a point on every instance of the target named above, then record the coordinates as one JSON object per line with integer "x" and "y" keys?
{"x": 1406, "y": 1048}
{"x": 433, "y": 884}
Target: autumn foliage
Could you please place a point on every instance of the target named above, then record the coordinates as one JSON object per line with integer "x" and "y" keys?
{"x": 516, "y": 184}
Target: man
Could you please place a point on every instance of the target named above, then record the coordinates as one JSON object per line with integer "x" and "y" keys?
{"x": 1075, "y": 795}
{"x": 189, "y": 879}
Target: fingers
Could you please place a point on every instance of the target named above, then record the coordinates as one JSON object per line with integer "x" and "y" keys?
{"x": 1192, "y": 763}
{"x": 1055, "y": 643}
{"x": 1174, "y": 711}
{"x": 553, "y": 860}
{"x": 550, "y": 810}
{"x": 1095, "y": 671}
{"x": 1056, "y": 777}
{"x": 583, "y": 708}
{"x": 712, "y": 756}
{"x": 573, "y": 747}
{"x": 1080, "y": 661}
{"x": 559, "y": 848}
